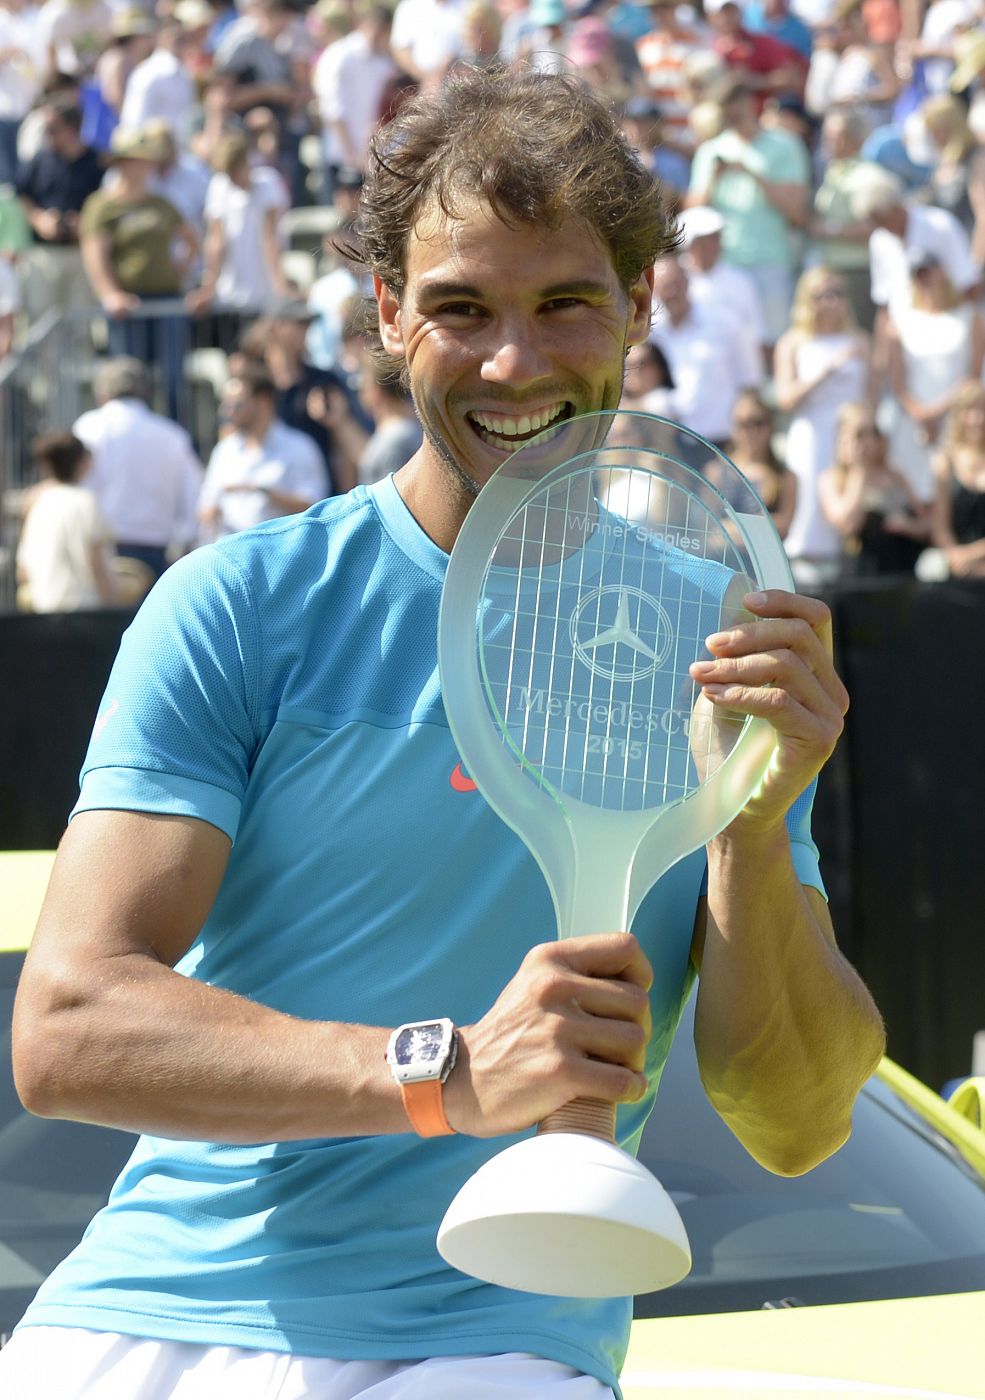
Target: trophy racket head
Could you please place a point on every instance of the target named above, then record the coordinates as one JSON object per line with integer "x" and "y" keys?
{"x": 621, "y": 544}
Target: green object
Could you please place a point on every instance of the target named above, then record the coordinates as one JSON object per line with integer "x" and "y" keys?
{"x": 582, "y": 586}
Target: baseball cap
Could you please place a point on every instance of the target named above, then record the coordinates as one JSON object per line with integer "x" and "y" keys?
{"x": 700, "y": 222}
{"x": 548, "y": 12}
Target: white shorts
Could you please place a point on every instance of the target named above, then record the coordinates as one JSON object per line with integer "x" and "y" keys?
{"x": 70, "y": 1363}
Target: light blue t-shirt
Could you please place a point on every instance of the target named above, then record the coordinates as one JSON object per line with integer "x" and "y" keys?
{"x": 283, "y": 686}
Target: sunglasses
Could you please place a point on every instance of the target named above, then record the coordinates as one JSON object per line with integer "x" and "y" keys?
{"x": 829, "y": 294}
{"x": 759, "y": 422}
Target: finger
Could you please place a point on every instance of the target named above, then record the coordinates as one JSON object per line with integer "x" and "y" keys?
{"x": 604, "y": 955}
{"x": 612, "y": 1042}
{"x": 777, "y": 602}
{"x": 781, "y": 670}
{"x": 613, "y": 1000}
{"x": 793, "y": 636}
{"x": 819, "y": 727}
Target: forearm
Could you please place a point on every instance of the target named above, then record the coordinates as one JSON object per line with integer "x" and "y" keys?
{"x": 132, "y": 1044}
{"x": 785, "y": 1030}
{"x": 790, "y": 200}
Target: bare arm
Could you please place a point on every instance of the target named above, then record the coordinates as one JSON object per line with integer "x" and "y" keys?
{"x": 271, "y": 252}
{"x": 105, "y": 582}
{"x": 783, "y": 515}
{"x": 107, "y": 1032}
{"x": 785, "y": 1031}
{"x": 842, "y": 496}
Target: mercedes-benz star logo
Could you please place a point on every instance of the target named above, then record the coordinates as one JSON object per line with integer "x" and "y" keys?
{"x": 621, "y": 633}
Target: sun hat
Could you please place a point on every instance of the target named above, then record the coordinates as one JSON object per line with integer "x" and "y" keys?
{"x": 969, "y": 58}
{"x": 133, "y": 143}
{"x": 131, "y": 21}
{"x": 700, "y": 222}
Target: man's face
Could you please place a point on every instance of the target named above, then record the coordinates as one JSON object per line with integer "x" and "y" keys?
{"x": 505, "y": 331}
{"x": 727, "y": 20}
{"x": 670, "y": 288}
{"x": 240, "y": 407}
{"x": 704, "y": 251}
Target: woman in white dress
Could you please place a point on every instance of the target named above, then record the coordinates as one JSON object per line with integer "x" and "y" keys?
{"x": 934, "y": 347}
{"x": 821, "y": 363}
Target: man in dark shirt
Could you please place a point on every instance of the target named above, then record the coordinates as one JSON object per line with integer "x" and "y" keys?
{"x": 53, "y": 186}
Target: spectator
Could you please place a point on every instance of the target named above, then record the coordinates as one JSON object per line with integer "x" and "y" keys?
{"x": 145, "y": 474}
{"x": 332, "y": 296}
{"x": 361, "y": 455}
{"x": 349, "y": 81}
{"x": 10, "y": 304}
{"x": 957, "y": 177}
{"x": 840, "y": 240}
{"x": 130, "y": 240}
{"x": 180, "y": 176}
{"x": 943, "y": 24}
{"x": 959, "y": 474}
{"x": 934, "y": 346}
{"x": 764, "y": 64}
{"x": 161, "y": 88}
{"x": 822, "y": 362}
{"x": 132, "y": 30}
{"x": 648, "y": 385}
{"x": 52, "y": 187}
{"x": 265, "y": 53}
{"x": 482, "y": 33}
{"x": 775, "y": 19}
{"x": 901, "y": 228}
{"x": 72, "y": 34}
{"x": 591, "y": 50}
{"x": 706, "y": 355}
{"x": 544, "y": 40}
{"x": 427, "y": 38}
{"x": 664, "y": 53}
{"x": 751, "y": 449}
{"x": 243, "y": 209}
{"x": 712, "y": 281}
{"x": 759, "y": 180}
{"x": 261, "y": 469}
{"x": 884, "y": 527}
{"x": 853, "y": 72}
{"x": 20, "y": 69}
{"x": 295, "y": 378}
{"x": 643, "y": 123}
{"x": 64, "y": 553}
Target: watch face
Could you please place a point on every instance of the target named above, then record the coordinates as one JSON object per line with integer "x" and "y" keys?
{"x": 419, "y": 1045}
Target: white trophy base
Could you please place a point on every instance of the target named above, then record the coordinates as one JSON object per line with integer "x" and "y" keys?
{"x": 569, "y": 1215}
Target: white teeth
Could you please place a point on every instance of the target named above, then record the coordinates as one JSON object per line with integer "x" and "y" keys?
{"x": 505, "y": 428}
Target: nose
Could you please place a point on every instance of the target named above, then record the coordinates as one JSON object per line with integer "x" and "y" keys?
{"x": 516, "y": 355}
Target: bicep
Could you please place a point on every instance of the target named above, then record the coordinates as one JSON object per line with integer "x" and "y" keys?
{"x": 125, "y": 883}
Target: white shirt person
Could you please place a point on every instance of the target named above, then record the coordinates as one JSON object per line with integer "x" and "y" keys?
{"x": 261, "y": 469}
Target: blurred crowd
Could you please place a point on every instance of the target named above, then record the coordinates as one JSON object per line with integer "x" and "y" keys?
{"x": 821, "y": 322}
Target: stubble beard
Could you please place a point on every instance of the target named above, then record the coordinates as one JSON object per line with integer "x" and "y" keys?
{"x": 462, "y": 487}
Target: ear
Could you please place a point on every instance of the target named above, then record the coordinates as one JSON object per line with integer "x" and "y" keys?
{"x": 389, "y": 308}
{"x": 640, "y": 308}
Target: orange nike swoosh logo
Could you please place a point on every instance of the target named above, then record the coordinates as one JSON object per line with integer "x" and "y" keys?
{"x": 459, "y": 782}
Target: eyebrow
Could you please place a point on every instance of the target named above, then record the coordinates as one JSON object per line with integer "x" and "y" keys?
{"x": 583, "y": 286}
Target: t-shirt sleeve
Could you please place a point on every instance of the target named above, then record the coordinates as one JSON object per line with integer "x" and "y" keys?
{"x": 178, "y": 722}
{"x": 94, "y": 217}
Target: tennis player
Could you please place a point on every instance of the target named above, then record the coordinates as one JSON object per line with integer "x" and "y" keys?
{"x": 276, "y": 861}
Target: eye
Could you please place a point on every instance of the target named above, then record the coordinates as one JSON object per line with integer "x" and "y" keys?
{"x": 563, "y": 303}
{"x": 462, "y": 310}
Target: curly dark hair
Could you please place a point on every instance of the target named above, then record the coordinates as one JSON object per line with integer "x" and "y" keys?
{"x": 537, "y": 148}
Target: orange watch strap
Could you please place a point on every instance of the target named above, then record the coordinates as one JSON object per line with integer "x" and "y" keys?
{"x": 424, "y": 1106}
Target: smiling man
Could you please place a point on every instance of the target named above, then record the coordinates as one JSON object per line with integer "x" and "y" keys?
{"x": 277, "y": 877}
